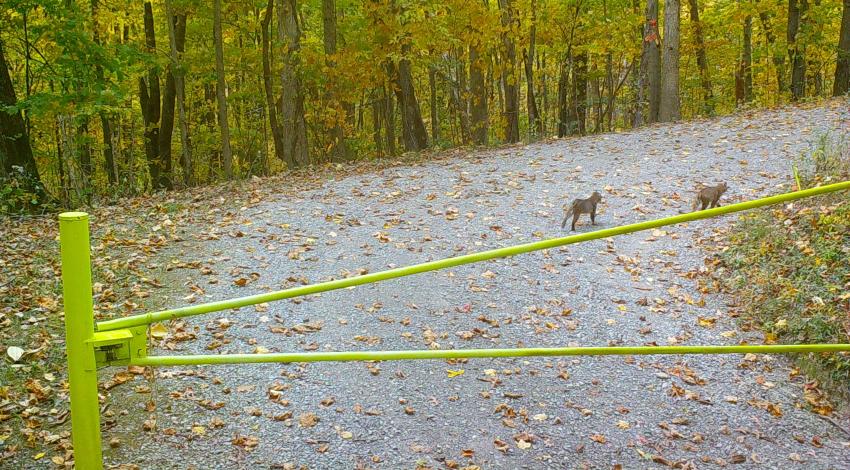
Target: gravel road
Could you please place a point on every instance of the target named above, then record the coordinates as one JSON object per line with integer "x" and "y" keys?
{"x": 584, "y": 412}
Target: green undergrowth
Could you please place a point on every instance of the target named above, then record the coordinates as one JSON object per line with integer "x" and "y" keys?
{"x": 791, "y": 267}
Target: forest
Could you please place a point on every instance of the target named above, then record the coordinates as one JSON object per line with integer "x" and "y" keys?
{"x": 103, "y": 99}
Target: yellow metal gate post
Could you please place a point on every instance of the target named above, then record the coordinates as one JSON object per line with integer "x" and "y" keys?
{"x": 79, "y": 331}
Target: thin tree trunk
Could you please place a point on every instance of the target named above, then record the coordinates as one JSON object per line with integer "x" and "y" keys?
{"x": 510, "y": 78}
{"x": 744, "y": 74}
{"x": 478, "y": 97}
{"x": 457, "y": 82}
{"x": 669, "y": 110}
{"x": 339, "y": 150}
{"x": 106, "y": 125}
{"x": 534, "y": 124}
{"x": 702, "y": 59}
{"x": 277, "y": 132}
{"x": 177, "y": 42}
{"x": 544, "y": 87}
{"x": 389, "y": 119}
{"x": 149, "y": 99}
{"x": 580, "y": 94}
{"x": 563, "y": 99}
{"x": 795, "y": 49}
{"x": 432, "y": 85}
{"x": 377, "y": 111}
{"x": 224, "y": 126}
{"x": 462, "y": 92}
{"x": 292, "y": 114}
{"x": 841, "y": 85}
{"x": 778, "y": 56}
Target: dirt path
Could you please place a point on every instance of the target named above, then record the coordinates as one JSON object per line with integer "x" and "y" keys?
{"x": 511, "y": 413}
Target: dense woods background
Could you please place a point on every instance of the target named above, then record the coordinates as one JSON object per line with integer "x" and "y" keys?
{"x": 109, "y": 98}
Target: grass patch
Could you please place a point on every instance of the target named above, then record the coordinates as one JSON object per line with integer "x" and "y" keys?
{"x": 791, "y": 266}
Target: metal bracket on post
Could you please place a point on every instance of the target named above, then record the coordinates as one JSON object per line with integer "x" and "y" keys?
{"x": 119, "y": 347}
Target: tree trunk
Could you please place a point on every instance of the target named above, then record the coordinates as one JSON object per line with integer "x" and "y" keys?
{"x": 544, "y": 88}
{"x": 744, "y": 74}
{"x": 106, "y": 125}
{"x": 509, "y": 78}
{"x": 339, "y": 150}
{"x": 414, "y": 135}
{"x": 389, "y": 119}
{"x": 377, "y": 111}
{"x": 277, "y": 132}
{"x": 149, "y": 99}
{"x": 457, "y": 82}
{"x": 578, "y": 121}
{"x": 841, "y": 85}
{"x": 795, "y": 49}
{"x": 224, "y": 126}
{"x": 669, "y": 110}
{"x": 435, "y": 123}
{"x": 177, "y": 42}
{"x": 16, "y": 157}
{"x": 292, "y": 114}
{"x": 778, "y": 56}
{"x": 563, "y": 99}
{"x": 478, "y": 97}
{"x": 650, "y": 75}
{"x": 535, "y": 126}
{"x": 702, "y": 60}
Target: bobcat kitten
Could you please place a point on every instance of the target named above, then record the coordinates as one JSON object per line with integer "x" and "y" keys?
{"x": 708, "y": 197}
{"x": 582, "y": 206}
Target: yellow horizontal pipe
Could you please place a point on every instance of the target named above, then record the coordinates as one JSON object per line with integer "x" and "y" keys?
{"x": 346, "y": 356}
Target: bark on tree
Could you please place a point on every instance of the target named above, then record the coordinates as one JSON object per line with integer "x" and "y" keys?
{"x": 509, "y": 76}
{"x": 563, "y": 98}
{"x": 535, "y": 126}
{"x": 377, "y": 111}
{"x": 413, "y": 131}
{"x": 105, "y": 123}
{"x": 744, "y": 74}
{"x": 274, "y": 123}
{"x": 702, "y": 60}
{"x": 650, "y": 74}
{"x": 339, "y": 150}
{"x": 16, "y": 157}
{"x": 795, "y": 49}
{"x": 778, "y": 56}
{"x": 669, "y": 110}
{"x": 292, "y": 112}
{"x": 462, "y": 93}
{"x": 841, "y": 84}
{"x": 435, "y": 120}
{"x": 224, "y": 126}
{"x": 478, "y": 97}
{"x": 389, "y": 119}
{"x": 177, "y": 42}
{"x": 578, "y": 117}
{"x": 149, "y": 99}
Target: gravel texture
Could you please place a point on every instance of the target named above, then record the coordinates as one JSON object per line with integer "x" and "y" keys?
{"x": 582, "y": 412}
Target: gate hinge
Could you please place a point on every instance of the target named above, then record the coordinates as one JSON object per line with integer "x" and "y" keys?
{"x": 119, "y": 347}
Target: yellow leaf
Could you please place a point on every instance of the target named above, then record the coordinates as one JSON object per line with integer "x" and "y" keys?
{"x": 707, "y": 322}
{"x": 38, "y": 456}
{"x": 159, "y": 331}
{"x": 199, "y": 430}
{"x": 454, "y": 373}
